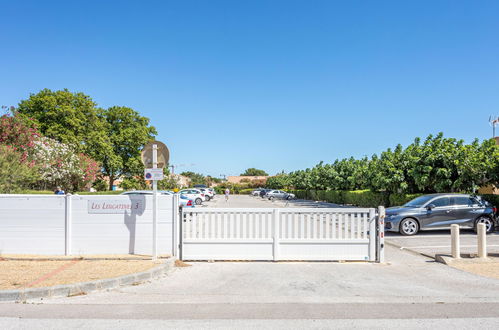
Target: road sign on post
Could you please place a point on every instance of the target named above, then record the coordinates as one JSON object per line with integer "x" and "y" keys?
{"x": 156, "y": 155}
{"x": 153, "y": 174}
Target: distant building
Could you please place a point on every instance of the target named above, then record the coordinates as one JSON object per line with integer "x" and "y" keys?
{"x": 247, "y": 179}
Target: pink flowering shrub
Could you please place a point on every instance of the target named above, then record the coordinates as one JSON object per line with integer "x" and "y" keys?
{"x": 56, "y": 163}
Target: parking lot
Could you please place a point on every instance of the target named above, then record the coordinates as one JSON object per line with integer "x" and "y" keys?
{"x": 431, "y": 243}
{"x": 428, "y": 243}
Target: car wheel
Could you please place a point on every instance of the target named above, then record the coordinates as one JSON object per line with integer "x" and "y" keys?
{"x": 198, "y": 201}
{"x": 271, "y": 198}
{"x": 207, "y": 198}
{"x": 289, "y": 198}
{"x": 489, "y": 224}
{"x": 409, "y": 227}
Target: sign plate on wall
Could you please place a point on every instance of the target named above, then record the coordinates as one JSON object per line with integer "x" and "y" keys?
{"x": 115, "y": 206}
{"x": 153, "y": 174}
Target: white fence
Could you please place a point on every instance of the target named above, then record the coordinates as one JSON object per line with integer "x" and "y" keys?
{"x": 279, "y": 234}
{"x": 78, "y": 224}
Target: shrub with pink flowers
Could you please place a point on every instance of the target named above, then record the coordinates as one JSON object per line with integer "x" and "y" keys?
{"x": 57, "y": 164}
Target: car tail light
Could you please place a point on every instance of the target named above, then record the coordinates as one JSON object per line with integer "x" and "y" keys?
{"x": 202, "y": 195}
{"x": 189, "y": 203}
{"x": 494, "y": 209}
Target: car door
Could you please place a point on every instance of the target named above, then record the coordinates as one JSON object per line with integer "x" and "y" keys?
{"x": 440, "y": 216}
{"x": 466, "y": 209}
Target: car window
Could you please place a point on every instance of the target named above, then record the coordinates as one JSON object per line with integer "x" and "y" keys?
{"x": 442, "y": 201}
{"x": 461, "y": 200}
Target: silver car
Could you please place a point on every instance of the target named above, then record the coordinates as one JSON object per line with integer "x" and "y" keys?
{"x": 279, "y": 194}
{"x": 439, "y": 211}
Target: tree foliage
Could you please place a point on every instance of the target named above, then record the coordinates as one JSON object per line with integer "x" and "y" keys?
{"x": 438, "y": 164}
{"x": 113, "y": 136}
{"x": 15, "y": 174}
{"x": 128, "y": 132}
{"x": 254, "y": 172}
{"x": 70, "y": 118}
{"x": 196, "y": 178}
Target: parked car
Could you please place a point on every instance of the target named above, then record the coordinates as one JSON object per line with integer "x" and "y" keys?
{"x": 263, "y": 192}
{"x": 256, "y": 192}
{"x": 279, "y": 194}
{"x": 439, "y": 211}
{"x": 184, "y": 200}
{"x": 195, "y": 194}
{"x": 208, "y": 194}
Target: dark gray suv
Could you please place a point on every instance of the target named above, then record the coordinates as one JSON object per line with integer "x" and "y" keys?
{"x": 439, "y": 211}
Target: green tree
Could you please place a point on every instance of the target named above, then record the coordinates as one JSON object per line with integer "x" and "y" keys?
{"x": 70, "y": 118}
{"x": 127, "y": 132}
{"x": 15, "y": 175}
{"x": 254, "y": 172}
{"x": 196, "y": 178}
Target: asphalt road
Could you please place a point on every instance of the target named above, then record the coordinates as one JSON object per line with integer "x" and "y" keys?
{"x": 431, "y": 243}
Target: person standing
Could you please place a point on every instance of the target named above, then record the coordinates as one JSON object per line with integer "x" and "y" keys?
{"x": 227, "y": 192}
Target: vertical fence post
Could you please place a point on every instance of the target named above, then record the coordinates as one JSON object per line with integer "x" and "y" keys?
{"x": 275, "y": 220}
{"x": 175, "y": 226}
{"x": 68, "y": 224}
{"x": 482, "y": 240}
{"x": 372, "y": 235}
{"x": 455, "y": 244}
{"x": 380, "y": 255}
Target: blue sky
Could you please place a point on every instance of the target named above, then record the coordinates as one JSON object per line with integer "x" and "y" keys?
{"x": 277, "y": 85}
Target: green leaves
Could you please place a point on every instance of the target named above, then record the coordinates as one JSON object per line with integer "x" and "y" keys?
{"x": 113, "y": 136}
{"x": 437, "y": 165}
{"x": 254, "y": 172}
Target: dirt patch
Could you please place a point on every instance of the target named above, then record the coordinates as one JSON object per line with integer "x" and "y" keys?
{"x": 19, "y": 274}
{"x": 86, "y": 257}
{"x": 490, "y": 269}
{"x": 180, "y": 263}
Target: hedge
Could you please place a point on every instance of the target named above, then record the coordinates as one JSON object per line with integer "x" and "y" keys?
{"x": 366, "y": 198}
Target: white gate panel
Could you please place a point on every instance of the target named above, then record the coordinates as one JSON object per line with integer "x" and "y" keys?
{"x": 279, "y": 234}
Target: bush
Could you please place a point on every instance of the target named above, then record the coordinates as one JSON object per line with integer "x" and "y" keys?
{"x": 366, "y": 198}
{"x": 493, "y": 199}
{"x": 401, "y": 199}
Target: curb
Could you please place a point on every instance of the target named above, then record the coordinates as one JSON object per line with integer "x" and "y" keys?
{"x": 76, "y": 289}
{"x": 410, "y": 250}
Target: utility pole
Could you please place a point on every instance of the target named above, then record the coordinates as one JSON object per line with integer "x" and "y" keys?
{"x": 494, "y": 121}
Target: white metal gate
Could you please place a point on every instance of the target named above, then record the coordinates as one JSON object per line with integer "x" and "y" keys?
{"x": 279, "y": 234}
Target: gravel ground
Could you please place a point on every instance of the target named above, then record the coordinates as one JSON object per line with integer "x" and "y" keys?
{"x": 18, "y": 274}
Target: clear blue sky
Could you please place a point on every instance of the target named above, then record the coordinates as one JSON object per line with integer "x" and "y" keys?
{"x": 277, "y": 85}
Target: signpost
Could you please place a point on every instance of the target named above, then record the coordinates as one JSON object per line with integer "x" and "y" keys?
{"x": 150, "y": 154}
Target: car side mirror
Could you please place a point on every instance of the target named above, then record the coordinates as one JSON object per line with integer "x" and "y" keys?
{"x": 430, "y": 207}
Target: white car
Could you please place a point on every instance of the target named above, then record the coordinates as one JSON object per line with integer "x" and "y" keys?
{"x": 208, "y": 194}
{"x": 195, "y": 194}
{"x": 184, "y": 200}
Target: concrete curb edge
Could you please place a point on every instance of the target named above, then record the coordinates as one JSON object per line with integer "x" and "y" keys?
{"x": 81, "y": 288}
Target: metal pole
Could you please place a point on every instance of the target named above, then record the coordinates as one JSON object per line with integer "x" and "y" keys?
{"x": 154, "y": 204}
{"x": 380, "y": 255}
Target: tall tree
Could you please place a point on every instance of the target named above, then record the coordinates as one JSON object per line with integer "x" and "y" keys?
{"x": 70, "y": 118}
{"x": 128, "y": 132}
{"x": 254, "y": 172}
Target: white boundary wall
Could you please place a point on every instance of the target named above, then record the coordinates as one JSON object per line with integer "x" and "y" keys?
{"x": 74, "y": 225}
{"x": 279, "y": 234}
